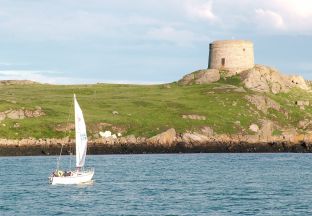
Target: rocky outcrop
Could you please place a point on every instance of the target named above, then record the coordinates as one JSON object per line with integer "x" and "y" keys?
{"x": 194, "y": 138}
{"x": 266, "y": 79}
{"x": 194, "y": 117}
{"x": 302, "y": 104}
{"x": 17, "y": 82}
{"x": 65, "y": 127}
{"x": 15, "y": 114}
{"x": 21, "y": 114}
{"x": 207, "y": 131}
{"x": 169, "y": 141}
{"x": 229, "y": 88}
{"x": 254, "y": 128}
{"x": 260, "y": 79}
{"x": 2, "y": 116}
{"x": 263, "y": 103}
{"x": 201, "y": 77}
{"x": 166, "y": 138}
{"x": 33, "y": 141}
{"x": 266, "y": 130}
{"x": 305, "y": 124}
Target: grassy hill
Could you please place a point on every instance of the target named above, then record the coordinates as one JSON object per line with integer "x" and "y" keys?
{"x": 144, "y": 110}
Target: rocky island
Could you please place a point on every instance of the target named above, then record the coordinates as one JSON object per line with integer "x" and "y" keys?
{"x": 233, "y": 106}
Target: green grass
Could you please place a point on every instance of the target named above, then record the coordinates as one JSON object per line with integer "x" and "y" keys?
{"x": 287, "y": 102}
{"x": 233, "y": 80}
{"x": 144, "y": 110}
{"x": 277, "y": 133}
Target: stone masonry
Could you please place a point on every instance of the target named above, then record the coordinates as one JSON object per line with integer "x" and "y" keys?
{"x": 233, "y": 56}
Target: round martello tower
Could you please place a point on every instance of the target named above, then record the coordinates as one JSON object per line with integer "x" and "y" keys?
{"x": 234, "y": 56}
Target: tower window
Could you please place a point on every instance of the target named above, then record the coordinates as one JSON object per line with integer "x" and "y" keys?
{"x": 223, "y": 62}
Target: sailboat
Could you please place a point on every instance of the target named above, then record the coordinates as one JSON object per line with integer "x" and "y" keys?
{"x": 80, "y": 174}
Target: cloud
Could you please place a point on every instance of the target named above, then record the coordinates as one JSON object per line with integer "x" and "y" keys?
{"x": 260, "y": 16}
{"x": 76, "y": 20}
{"x": 201, "y": 10}
{"x": 297, "y": 13}
{"x": 267, "y": 19}
{"x": 100, "y": 35}
{"x": 77, "y": 24}
{"x": 52, "y": 77}
{"x": 284, "y": 16}
{"x": 295, "y": 8}
{"x": 179, "y": 37}
{"x": 33, "y": 75}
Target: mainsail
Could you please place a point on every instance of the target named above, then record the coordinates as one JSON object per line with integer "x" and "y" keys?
{"x": 81, "y": 135}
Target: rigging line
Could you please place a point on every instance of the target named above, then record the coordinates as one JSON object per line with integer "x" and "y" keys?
{"x": 66, "y": 134}
{"x": 70, "y": 145}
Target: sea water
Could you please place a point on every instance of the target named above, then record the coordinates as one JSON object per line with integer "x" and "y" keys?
{"x": 169, "y": 184}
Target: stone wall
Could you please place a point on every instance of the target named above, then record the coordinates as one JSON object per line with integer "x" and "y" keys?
{"x": 232, "y": 55}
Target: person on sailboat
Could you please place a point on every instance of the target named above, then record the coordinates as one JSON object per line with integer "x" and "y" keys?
{"x": 67, "y": 173}
{"x": 58, "y": 173}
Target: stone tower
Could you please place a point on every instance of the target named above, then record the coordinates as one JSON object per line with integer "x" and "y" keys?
{"x": 234, "y": 56}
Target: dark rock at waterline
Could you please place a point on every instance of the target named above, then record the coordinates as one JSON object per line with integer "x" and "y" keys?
{"x": 212, "y": 147}
{"x": 167, "y": 142}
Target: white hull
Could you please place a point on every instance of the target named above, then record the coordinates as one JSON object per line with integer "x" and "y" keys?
{"x": 77, "y": 177}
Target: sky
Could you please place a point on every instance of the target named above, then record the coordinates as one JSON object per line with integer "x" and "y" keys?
{"x": 145, "y": 41}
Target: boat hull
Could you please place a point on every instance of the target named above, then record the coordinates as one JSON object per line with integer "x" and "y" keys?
{"x": 77, "y": 177}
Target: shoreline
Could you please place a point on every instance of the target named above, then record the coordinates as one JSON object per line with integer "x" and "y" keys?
{"x": 145, "y": 148}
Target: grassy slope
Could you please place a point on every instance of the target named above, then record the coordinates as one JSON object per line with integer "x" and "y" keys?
{"x": 143, "y": 110}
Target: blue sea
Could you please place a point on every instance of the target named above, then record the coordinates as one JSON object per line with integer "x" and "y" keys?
{"x": 168, "y": 184}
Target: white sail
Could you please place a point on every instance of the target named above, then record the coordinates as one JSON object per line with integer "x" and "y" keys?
{"x": 81, "y": 135}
